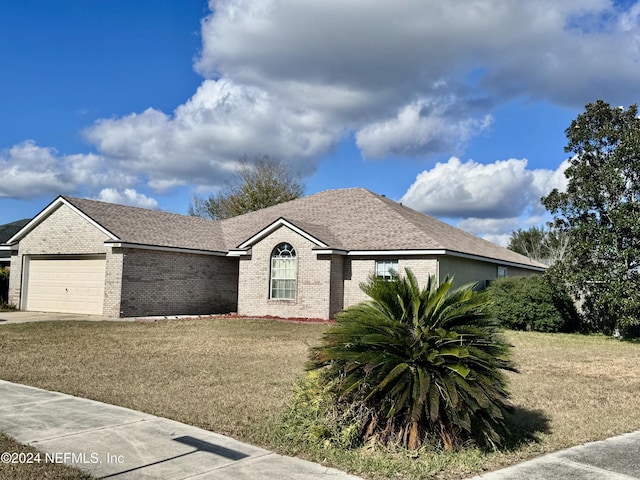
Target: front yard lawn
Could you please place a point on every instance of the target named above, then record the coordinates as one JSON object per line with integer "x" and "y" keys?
{"x": 16, "y": 470}
{"x": 235, "y": 377}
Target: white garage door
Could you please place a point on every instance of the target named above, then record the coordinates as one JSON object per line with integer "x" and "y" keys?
{"x": 69, "y": 285}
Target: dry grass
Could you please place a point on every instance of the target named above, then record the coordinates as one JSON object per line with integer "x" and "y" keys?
{"x": 227, "y": 375}
{"x": 587, "y": 386}
{"x": 36, "y": 470}
{"x": 235, "y": 376}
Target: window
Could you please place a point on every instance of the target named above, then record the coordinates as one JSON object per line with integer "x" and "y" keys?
{"x": 283, "y": 272}
{"x": 502, "y": 272}
{"x": 384, "y": 268}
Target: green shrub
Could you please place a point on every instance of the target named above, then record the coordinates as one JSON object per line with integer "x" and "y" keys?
{"x": 416, "y": 366}
{"x": 4, "y": 285}
{"x": 533, "y": 303}
{"x": 312, "y": 419}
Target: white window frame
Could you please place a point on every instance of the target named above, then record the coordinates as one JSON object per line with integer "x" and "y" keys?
{"x": 283, "y": 283}
{"x": 384, "y": 267}
{"x": 502, "y": 272}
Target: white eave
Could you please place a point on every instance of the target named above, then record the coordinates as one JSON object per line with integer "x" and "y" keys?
{"x": 273, "y": 227}
{"x": 453, "y": 253}
{"x": 58, "y": 202}
{"x": 236, "y": 252}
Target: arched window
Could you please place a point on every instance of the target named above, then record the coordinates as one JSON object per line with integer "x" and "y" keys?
{"x": 284, "y": 272}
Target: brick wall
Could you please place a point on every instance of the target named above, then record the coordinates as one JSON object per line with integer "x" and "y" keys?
{"x": 63, "y": 232}
{"x": 337, "y": 284}
{"x": 313, "y": 280}
{"x": 113, "y": 282}
{"x": 358, "y": 269}
{"x": 156, "y": 283}
{"x": 172, "y": 283}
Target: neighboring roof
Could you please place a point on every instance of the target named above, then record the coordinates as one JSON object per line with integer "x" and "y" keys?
{"x": 8, "y": 230}
{"x": 350, "y": 220}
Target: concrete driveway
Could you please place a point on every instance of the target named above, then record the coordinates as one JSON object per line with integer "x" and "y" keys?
{"x": 7, "y": 318}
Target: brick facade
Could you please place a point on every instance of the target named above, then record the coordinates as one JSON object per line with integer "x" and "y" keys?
{"x": 137, "y": 282}
{"x": 164, "y": 281}
{"x": 173, "y": 283}
{"x": 313, "y": 291}
{"x": 64, "y": 232}
{"x": 358, "y": 269}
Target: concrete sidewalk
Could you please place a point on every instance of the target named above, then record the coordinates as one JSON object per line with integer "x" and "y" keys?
{"x": 114, "y": 442}
{"x": 616, "y": 458}
{"x": 117, "y": 443}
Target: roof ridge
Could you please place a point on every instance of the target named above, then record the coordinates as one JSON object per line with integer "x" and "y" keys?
{"x": 394, "y": 209}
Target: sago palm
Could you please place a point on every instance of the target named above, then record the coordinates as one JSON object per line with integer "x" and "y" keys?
{"x": 418, "y": 363}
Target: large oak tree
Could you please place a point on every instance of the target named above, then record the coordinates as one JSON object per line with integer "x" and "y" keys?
{"x": 600, "y": 211}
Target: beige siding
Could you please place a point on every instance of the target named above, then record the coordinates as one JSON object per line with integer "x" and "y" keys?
{"x": 313, "y": 294}
{"x": 466, "y": 270}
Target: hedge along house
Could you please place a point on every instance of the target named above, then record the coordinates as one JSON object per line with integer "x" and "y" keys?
{"x": 303, "y": 258}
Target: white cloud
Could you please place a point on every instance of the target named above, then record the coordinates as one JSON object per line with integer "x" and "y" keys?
{"x": 416, "y": 78}
{"x": 29, "y": 170}
{"x": 413, "y": 79}
{"x": 128, "y": 196}
{"x": 417, "y": 128}
{"x": 203, "y": 139}
{"x": 490, "y": 199}
{"x": 496, "y": 230}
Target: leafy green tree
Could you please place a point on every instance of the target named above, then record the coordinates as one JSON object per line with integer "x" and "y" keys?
{"x": 419, "y": 364}
{"x": 600, "y": 211}
{"x": 540, "y": 244}
{"x": 262, "y": 183}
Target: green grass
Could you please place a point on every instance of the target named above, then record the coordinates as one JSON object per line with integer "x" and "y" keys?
{"x": 236, "y": 376}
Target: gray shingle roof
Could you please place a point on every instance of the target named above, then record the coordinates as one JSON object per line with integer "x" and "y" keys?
{"x": 152, "y": 227}
{"x": 362, "y": 220}
{"x": 349, "y": 219}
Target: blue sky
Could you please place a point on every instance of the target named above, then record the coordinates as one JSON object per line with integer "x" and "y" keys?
{"x": 457, "y": 109}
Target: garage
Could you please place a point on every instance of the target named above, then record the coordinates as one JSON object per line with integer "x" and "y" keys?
{"x": 65, "y": 284}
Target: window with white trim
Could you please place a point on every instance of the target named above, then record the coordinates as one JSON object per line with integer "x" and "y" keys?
{"x": 284, "y": 272}
{"x": 384, "y": 268}
{"x": 502, "y": 272}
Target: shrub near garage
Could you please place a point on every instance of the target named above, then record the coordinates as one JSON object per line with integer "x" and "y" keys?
{"x": 4, "y": 285}
{"x": 415, "y": 366}
{"x": 532, "y": 303}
